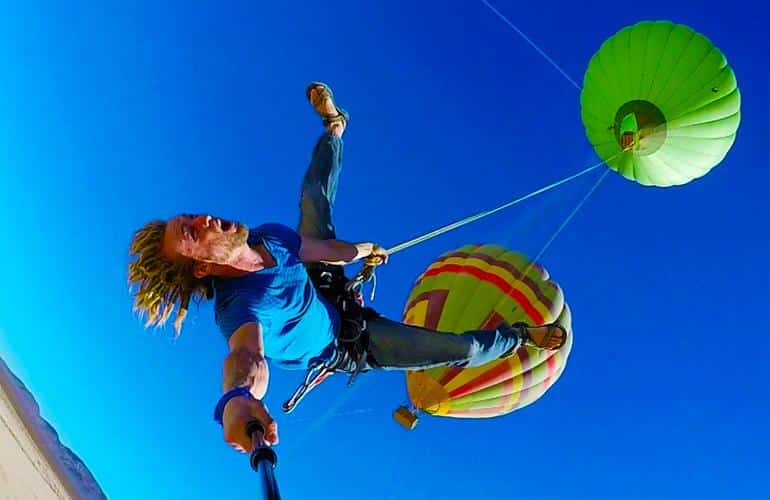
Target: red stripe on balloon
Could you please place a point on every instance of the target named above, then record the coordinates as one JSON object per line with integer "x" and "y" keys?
{"x": 450, "y": 374}
{"x": 493, "y": 376}
{"x": 552, "y": 367}
{"x": 494, "y": 280}
{"x": 532, "y": 284}
{"x": 492, "y": 321}
{"x": 436, "y": 300}
{"x": 526, "y": 373}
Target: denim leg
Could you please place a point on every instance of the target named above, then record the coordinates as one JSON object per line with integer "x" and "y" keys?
{"x": 319, "y": 188}
{"x": 396, "y": 346}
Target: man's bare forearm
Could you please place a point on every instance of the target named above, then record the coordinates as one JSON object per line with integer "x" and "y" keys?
{"x": 341, "y": 252}
{"x": 246, "y": 368}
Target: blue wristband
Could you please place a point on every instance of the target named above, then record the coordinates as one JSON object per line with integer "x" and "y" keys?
{"x": 232, "y": 393}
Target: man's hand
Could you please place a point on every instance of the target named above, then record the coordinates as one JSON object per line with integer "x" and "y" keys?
{"x": 379, "y": 255}
{"x": 238, "y": 412}
{"x": 372, "y": 252}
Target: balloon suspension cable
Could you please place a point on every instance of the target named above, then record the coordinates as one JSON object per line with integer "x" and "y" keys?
{"x": 533, "y": 44}
{"x": 487, "y": 213}
{"x": 568, "y": 219}
{"x": 561, "y": 227}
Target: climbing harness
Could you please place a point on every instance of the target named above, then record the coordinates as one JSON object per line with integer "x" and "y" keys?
{"x": 351, "y": 353}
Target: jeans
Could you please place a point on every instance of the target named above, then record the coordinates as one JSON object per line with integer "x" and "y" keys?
{"x": 392, "y": 345}
{"x": 319, "y": 189}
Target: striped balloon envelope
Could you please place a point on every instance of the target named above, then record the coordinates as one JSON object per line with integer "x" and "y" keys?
{"x": 480, "y": 287}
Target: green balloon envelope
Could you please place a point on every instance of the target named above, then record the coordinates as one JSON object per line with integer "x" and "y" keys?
{"x": 660, "y": 104}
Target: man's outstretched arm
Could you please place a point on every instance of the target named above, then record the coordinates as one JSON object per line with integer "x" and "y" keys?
{"x": 246, "y": 366}
{"x": 338, "y": 251}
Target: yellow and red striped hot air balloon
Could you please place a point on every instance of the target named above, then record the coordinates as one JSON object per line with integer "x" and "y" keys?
{"x": 479, "y": 287}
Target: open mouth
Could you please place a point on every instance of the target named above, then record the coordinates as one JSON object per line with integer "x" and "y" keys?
{"x": 225, "y": 225}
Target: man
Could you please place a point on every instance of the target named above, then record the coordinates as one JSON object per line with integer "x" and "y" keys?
{"x": 266, "y": 305}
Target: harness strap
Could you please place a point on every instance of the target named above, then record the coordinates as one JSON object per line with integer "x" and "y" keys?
{"x": 354, "y": 344}
{"x": 314, "y": 377}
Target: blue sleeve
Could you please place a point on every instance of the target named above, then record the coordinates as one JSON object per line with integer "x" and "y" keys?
{"x": 234, "y": 315}
{"x": 282, "y": 236}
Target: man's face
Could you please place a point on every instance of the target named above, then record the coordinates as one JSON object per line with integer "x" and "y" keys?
{"x": 204, "y": 238}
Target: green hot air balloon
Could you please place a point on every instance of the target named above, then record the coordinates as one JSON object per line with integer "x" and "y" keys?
{"x": 660, "y": 104}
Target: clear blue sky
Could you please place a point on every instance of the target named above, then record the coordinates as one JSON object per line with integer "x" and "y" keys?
{"x": 117, "y": 113}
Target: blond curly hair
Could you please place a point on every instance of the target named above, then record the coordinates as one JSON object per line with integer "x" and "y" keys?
{"x": 158, "y": 283}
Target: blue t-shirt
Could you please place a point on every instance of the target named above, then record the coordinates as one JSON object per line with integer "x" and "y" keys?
{"x": 298, "y": 324}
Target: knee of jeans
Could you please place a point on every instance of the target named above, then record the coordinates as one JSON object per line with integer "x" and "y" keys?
{"x": 478, "y": 354}
{"x": 508, "y": 335}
